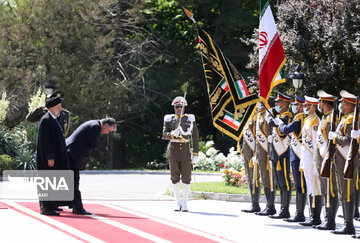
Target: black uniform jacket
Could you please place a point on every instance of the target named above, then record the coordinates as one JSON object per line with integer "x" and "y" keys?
{"x": 82, "y": 143}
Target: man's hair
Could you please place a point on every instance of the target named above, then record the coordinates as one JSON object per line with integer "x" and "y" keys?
{"x": 109, "y": 120}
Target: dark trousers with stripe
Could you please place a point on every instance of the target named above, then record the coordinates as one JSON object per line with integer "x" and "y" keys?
{"x": 299, "y": 179}
{"x": 281, "y": 166}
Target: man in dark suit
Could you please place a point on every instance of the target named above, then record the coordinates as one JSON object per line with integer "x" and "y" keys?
{"x": 51, "y": 149}
{"x": 80, "y": 145}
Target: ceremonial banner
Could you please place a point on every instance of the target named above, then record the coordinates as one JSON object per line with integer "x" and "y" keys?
{"x": 271, "y": 53}
{"x": 231, "y": 102}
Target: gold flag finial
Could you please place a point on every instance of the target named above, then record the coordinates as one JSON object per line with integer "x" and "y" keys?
{"x": 189, "y": 14}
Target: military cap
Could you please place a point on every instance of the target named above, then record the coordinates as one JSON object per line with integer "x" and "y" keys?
{"x": 179, "y": 100}
{"x": 284, "y": 97}
{"x": 53, "y": 101}
{"x": 346, "y": 96}
{"x": 299, "y": 100}
{"x": 325, "y": 96}
{"x": 311, "y": 100}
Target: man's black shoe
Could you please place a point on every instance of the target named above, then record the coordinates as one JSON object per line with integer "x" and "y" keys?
{"x": 80, "y": 211}
{"x": 45, "y": 211}
{"x": 59, "y": 209}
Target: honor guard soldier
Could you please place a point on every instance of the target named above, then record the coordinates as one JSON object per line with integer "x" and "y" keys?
{"x": 328, "y": 185}
{"x": 279, "y": 154}
{"x": 342, "y": 137}
{"x": 307, "y": 160}
{"x": 64, "y": 117}
{"x": 295, "y": 130}
{"x": 262, "y": 159}
{"x": 251, "y": 167}
{"x": 179, "y": 128}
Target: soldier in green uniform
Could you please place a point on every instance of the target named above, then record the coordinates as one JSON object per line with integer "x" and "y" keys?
{"x": 64, "y": 117}
{"x": 262, "y": 131}
{"x": 251, "y": 167}
{"x": 328, "y": 185}
{"x": 342, "y": 137}
{"x": 179, "y": 152}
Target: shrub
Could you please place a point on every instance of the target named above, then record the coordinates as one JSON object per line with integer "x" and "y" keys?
{"x": 6, "y": 163}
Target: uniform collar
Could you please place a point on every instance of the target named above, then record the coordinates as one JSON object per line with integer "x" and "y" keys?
{"x": 176, "y": 115}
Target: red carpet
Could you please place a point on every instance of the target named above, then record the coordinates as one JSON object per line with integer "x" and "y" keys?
{"x": 3, "y": 206}
{"x": 110, "y": 233}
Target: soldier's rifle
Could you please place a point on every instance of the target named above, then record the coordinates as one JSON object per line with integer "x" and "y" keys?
{"x": 326, "y": 164}
{"x": 349, "y": 164}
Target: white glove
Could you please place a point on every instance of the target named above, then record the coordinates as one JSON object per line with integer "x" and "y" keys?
{"x": 278, "y": 121}
{"x": 254, "y": 160}
{"x": 195, "y": 159}
{"x": 331, "y": 135}
{"x": 355, "y": 134}
{"x": 241, "y": 156}
{"x": 176, "y": 132}
{"x": 269, "y": 118}
{"x": 270, "y": 138}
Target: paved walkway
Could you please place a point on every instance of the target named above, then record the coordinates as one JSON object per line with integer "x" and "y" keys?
{"x": 137, "y": 199}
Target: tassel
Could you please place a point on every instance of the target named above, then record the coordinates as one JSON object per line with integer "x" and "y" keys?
{"x": 278, "y": 166}
{"x": 268, "y": 164}
{"x": 238, "y": 146}
{"x": 251, "y": 164}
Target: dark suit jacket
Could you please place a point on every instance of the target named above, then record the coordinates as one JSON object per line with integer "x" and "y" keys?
{"x": 50, "y": 145}
{"x": 82, "y": 143}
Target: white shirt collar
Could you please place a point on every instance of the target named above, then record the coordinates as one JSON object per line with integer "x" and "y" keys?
{"x": 53, "y": 116}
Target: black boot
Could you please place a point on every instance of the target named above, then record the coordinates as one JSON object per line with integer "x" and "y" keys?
{"x": 357, "y": 197}
{"x": 329, "y": 223}
{"x": 254, "y": 202}
{"x": 300, "y": 206}
{"x": 270, "y": 199}
{"x": 315, "y": 212}
{"x": 348, "y": 228}
{"x": 285, "y": 197}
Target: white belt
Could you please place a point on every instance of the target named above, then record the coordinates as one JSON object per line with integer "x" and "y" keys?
{"x": 179, "y": 140}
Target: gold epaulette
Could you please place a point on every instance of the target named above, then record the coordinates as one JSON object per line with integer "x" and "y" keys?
{"x": 349, "y": 119}
{"x": 299, "y": 116}
{"x": 314, "y": 121}
{"x": 286, "y": 113}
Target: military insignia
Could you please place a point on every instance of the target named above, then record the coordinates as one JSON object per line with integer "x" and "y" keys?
{"x": 316, "y": 128}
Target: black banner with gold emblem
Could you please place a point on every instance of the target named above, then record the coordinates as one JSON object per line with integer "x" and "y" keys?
{"x": 231, "y": 102}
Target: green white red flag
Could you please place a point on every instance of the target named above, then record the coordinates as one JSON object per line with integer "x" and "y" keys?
{"x": 271, "y": 53}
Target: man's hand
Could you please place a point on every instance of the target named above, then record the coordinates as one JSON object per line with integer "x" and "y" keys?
{"x": 195, "y": 159}
{"x": 269, "y": 118}
{"x": 51, "y": 162}
{"x": 176, "y": 132}
{"x": 355, "y": 134}
{"x": 331, "y": 135}
{"x": 270, "y": 139}
{"x": 278, "y": 121}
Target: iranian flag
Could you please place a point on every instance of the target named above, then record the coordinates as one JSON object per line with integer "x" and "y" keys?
{"x": 229, "y": 119}
{"x": 224, "y": 85}
{"x": 271, "y": 53}
{"x": 241, "y": 88}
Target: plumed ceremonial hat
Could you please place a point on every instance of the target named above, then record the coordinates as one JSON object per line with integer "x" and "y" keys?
{"x": 299, "y": 100}
{"x": 311, "y": 100}
{"x": 53, "y": 101}
{"x": 346, "y": 96}
{"x": 284, "y": 97}
{"x": 325, "y": 96}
